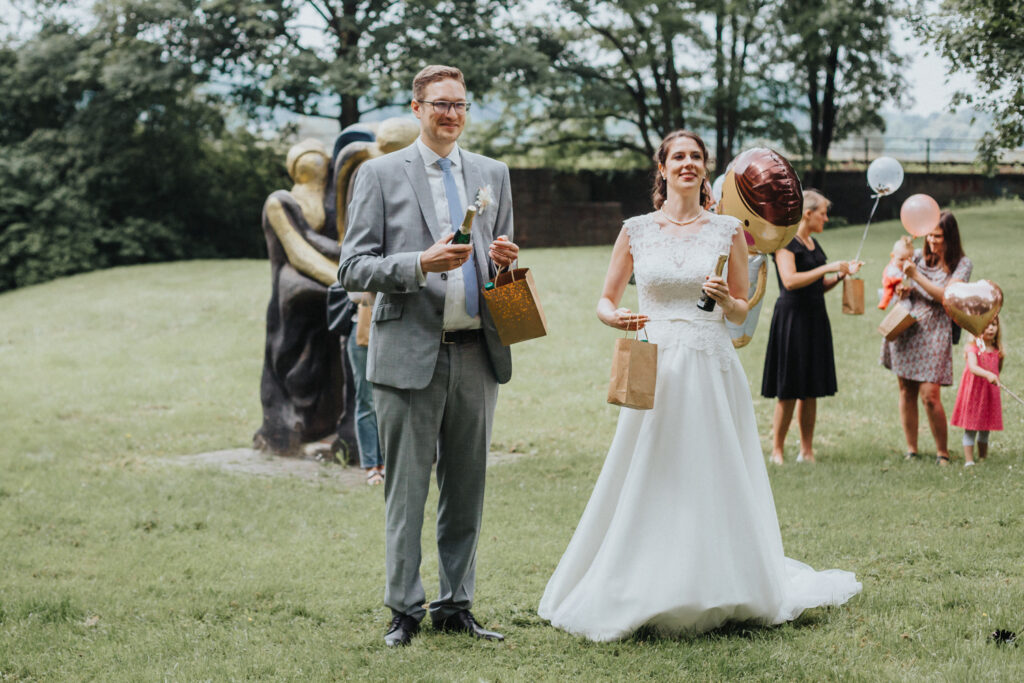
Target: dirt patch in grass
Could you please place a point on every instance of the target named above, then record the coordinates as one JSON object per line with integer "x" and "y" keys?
{"x": 311, "y": 468}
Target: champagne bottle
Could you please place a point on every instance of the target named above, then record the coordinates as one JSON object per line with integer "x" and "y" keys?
{"x": 706, "y": 303}
{"x": 462, "y": 234}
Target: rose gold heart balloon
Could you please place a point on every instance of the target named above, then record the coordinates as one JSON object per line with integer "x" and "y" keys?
{"x": 973, "y": 305}
{"x": 763, "y": 191}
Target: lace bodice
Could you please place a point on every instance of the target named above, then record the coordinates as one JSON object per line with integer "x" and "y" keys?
{"x": 670, "y": 270}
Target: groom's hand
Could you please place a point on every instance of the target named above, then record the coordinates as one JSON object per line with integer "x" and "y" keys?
{"x": 503, "y": 252}
{"x": 443, "y": 256}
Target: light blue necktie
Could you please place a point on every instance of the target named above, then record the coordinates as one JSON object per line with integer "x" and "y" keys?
{"x": 455, "y": 211}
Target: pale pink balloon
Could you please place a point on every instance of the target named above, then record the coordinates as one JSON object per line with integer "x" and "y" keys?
{"x": 920, "y": 214}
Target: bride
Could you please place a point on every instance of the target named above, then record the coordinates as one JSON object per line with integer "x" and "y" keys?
{"x": 681, "y": 534}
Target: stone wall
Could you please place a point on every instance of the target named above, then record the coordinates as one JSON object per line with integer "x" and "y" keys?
{"x": 555, "y": 209}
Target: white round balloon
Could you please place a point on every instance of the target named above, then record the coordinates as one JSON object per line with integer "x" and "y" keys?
{"x": 716, "y": 187}
{"x": 885, "y": 175}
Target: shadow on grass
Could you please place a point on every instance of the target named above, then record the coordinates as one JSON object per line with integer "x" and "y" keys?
{"x": 747, "y": 630}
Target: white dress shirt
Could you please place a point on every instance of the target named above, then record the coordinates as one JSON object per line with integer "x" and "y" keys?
{"x": 455, "y": 316}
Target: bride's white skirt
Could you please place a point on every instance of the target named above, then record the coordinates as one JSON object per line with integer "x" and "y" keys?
{"x": 681, "y": 533}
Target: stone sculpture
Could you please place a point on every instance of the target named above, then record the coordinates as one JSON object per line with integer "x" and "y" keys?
{"x": 305, "y": 385}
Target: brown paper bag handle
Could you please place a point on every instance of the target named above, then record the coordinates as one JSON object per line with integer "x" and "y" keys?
{"x": 637, "y": 335}
{"x": 503, "y": 268}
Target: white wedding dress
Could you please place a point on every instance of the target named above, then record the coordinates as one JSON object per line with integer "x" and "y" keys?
{"x": 681, "y": 533}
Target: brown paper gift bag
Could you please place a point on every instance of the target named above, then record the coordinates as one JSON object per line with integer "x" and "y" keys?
{"x": 896, "y": 321}
{"x": 634, "y": 374}
{"x": 515, "y": 306}
{"x": 365, "y": 314}
{"x": 853, "y": 296}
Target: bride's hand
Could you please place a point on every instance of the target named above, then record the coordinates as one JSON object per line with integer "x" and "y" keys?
{"x": 718, "y": 289}
{"x": 624, "y": 319}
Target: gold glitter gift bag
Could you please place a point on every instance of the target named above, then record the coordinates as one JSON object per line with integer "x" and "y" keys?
{"x": 634, "y": 373}
{"x": 515, "y": 307}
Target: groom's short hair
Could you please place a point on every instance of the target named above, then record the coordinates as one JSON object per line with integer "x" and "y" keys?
{"x": 433, "y": 74}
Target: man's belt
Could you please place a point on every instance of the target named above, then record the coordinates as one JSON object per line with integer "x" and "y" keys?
{"x": 461, "y": 336}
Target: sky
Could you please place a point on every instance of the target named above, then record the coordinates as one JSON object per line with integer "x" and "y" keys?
{"x": 929, "y": 85}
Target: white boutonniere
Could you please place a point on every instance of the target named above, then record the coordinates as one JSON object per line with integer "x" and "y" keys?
{"x": 484, "y": 196}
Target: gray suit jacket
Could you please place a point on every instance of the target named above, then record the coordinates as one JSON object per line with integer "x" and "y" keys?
{"x": 391, "y": 219}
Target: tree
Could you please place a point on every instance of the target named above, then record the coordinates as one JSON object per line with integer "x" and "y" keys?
{"x": 748, "y": 98}
{"x": 607, "y": 79}
{"x": 986, "y": 39}
{"x": 604, "y": 76}
{"x": 337, "y": 59}
{"x": 842, "y": 54}
{"x": 110, "y": 154}
{"x": 114, "y": 141}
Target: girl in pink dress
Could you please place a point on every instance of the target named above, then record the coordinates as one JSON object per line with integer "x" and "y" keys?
{"x": 979, "y": 408}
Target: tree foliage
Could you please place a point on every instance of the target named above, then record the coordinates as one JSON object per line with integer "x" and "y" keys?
{"x": 110, "y": 154}
{"x": 114, "y": 139}
{"x": 610, "y": 77}
{"x": 338, "y": 59}
{"x": 748, "y": 98}
{"x": 614, "y": 76}
{"x": 986, "y": 39}
{"x": 841, "y": 55}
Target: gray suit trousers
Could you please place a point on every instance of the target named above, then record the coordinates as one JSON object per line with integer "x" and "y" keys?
{"x": 451, "y": 417}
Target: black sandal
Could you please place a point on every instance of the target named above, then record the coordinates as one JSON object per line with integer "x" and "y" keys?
{"x": 942, "y": 460}
{"x": 911, "y": 455}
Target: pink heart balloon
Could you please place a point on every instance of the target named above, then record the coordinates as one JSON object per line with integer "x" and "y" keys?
{"x": 919, "y": 214}
{"x": 973, "y": 305}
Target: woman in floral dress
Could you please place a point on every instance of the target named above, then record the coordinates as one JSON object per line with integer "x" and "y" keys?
{"x": 922, "y": 357}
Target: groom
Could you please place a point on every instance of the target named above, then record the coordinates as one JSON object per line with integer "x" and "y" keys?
{"x": 434, "y": 359}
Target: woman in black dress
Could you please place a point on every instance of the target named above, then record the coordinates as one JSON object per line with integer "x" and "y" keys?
{"x": 798, "y": 364}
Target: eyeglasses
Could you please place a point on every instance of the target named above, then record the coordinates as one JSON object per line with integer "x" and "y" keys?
{"x": 442, "y": 107}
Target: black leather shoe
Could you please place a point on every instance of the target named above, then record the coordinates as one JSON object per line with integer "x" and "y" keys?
{"x": 402, "y": 629}
{"x": 463, "y": 622}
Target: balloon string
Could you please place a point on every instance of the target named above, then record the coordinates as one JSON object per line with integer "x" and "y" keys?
{"x": 868, "y": 225}
{"x": 1019, "y": 399}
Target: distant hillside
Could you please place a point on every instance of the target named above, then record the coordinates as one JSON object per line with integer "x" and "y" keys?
{"x": 937, "y": 138}
{"x": 964, "y": 124}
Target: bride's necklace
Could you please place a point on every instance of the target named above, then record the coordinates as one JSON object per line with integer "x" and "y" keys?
{"x": 682, "y": 222}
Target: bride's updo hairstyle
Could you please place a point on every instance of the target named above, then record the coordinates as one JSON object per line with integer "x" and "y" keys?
{"x": 660, "y": 191}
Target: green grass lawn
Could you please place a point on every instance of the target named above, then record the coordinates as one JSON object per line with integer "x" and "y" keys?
{"x": 118, "y": 566}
